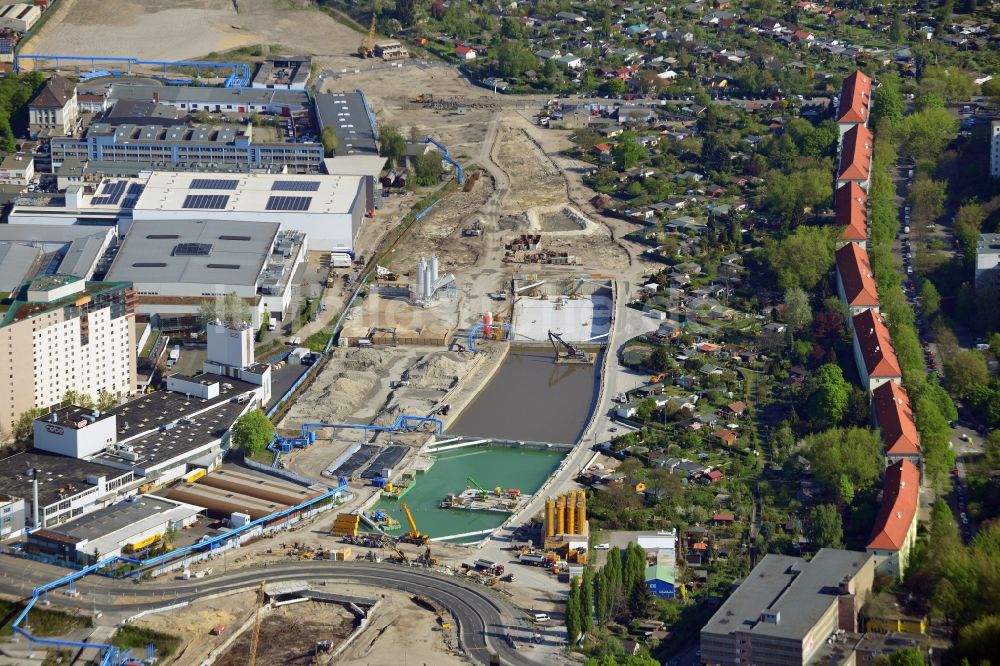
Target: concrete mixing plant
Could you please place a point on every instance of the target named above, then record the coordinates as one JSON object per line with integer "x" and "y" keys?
{"x": 429, "y": 286}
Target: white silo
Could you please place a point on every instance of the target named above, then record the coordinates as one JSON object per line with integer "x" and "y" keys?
{"x": 419, "y": 288}
{"x": 428, "y": 283}
{"x": 434, "y": 270}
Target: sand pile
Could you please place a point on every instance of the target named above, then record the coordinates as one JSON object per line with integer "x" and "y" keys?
{"x": 439, "y": 370}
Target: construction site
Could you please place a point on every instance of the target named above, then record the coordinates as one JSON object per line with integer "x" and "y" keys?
{"x": 519, "y": 329}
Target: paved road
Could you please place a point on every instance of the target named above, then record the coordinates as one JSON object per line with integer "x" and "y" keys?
{"x": 483, "y": 619}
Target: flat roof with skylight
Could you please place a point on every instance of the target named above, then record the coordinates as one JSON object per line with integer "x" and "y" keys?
{"x": 171, "y": 190}
{"x": 195, "y": 251}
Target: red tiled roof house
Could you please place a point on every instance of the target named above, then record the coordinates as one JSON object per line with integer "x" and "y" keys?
{"x": 855, "y": 280}
{"x": 873, "y": 350}
{"x": 896, "y": 524}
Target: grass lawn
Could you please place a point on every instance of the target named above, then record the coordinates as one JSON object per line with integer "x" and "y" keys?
{"x": 42, "y": 621}
{"x": 137, "y": 638}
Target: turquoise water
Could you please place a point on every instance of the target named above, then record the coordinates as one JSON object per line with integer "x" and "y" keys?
{"x": 491, "y": 466}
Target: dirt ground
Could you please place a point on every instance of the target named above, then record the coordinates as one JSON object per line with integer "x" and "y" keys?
{"x": 357, "y": 385}
{"x": 190, "y": 29}
{"x": 401, "y": 632}
{"x": 288, "y": 634}
{"x": 193, "y": 623}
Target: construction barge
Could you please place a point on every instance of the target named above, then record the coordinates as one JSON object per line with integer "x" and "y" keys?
{"x": 480, "y": 499}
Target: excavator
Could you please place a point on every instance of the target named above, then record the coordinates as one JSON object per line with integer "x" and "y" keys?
{"x": 414, "y": 536}
{"x": 367, "y": 48}
{"x": 571, "y": 353}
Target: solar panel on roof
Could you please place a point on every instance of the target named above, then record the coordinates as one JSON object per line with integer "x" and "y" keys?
{"x": 295, "y": 185}
{"x": 213, "y": 184}
{"x": 207, "y": 201}
{"x": 192, "y": 249}
{"x": 288, "y": 203}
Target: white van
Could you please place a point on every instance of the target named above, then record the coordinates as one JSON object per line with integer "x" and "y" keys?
{"x": 272, "y": 324}
{"x": 541, "y": 617}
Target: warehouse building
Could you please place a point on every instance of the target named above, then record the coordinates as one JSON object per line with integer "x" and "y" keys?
{"x": 786, "y": 609}
{"x": 127, "y": 528}
{"x": 328, "y": 209}
{"x": 159, "y": 144}
{"x": 19, "y": 17}
{"x": 175, "y": 267}
{"x": 106, "y": 203}
{"x": 12, "y": 516}
{"x": 283, "y": 73}
{"x": 74, "y": 249}
{"x": 352, "y": 121}
{"x": 225, "y": 492}
{"x": 158, "y": 436}
{"x": 67, "y": 487}
{"x": 18, "y": 264}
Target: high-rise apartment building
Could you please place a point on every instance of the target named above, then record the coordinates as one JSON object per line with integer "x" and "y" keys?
{"x": 61, "y": 333}
{"x": 995, "y": 149}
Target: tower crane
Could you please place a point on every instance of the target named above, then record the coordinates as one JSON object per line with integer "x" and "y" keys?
{"x": 367, "y": 48}
{"x": 571, "y": 351}
{"x": 414, "y": 535}
{"x": 255, "y": 636}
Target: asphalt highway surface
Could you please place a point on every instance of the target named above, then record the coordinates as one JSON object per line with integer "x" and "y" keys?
{"x": 482, "y": 618}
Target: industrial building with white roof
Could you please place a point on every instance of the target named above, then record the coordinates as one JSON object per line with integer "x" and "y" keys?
{"x": 174, "y": 268}
{"x": 329, "y": 209}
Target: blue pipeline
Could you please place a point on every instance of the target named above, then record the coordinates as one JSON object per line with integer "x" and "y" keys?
{"x": 240, "y": 77}
{"x": 478, "y": 329}
{"x": 111, "y": 652}
{"x": 405, "y": 423}
{"x": 446, "y": 156}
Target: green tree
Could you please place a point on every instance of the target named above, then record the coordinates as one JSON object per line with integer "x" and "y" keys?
{"x": 904, "y": 657}
{"x": 888, "y": 101}
{"x": 229, "y": 309}
{"x": 640, "y": 599}
{"x": 802, "y": 258}
{"x": 513, "y": 59}
{"x": 79, "y": 399}
{"x": 966, "y": 371}
{"x": 406, "y": 12}
{"x": 252, "y": 432}
{"x": 628, "y": 151}
{"x": 829, "y": 397}
{"x": 930, "y": 300}
{"x": 824, "y": 528}
{"x": 573, "y": 623}
{"x": 927, "y": 132}
{"x": 587, "y": 600}
{"x": 797, "y": 313}
{"x": 854, "y": 454}
{"x": 659, "y": 360}
{"x": 427, "y": 168}
{"x": 935, "y": 438}
{"x": 634, "y": 569}
{"x": 393, "y": 145}
{"x": 644, "y": 410}
{"x": 106, "y": 400}
{"x": 329, "y": 138}
{"x": 613, "y": 87}
{"x": 602, "y": 599}
{"x": 791, "y": 196}
{"x": 24, "y": 426}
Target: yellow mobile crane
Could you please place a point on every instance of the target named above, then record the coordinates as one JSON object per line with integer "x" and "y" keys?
{"x": 255, "y": 636}
{"x": 414, "y": 535}
{"x": 367, "y": 48}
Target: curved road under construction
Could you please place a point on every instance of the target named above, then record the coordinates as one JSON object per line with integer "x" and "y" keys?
{"x": 483, "y": 620}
